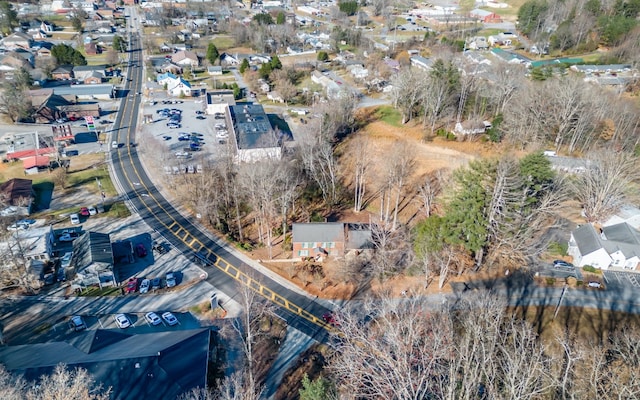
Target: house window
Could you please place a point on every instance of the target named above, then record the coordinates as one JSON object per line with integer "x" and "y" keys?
{"x": 328, "y": 245}
{"x": 307, "y": 245}
{"x": 303, "y": 253}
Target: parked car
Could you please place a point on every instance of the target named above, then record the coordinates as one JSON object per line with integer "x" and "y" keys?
{"x": 141, "y": 251}
{"x": 18, "y": 226}
{"x": 152, "y": 318}
{"x": 156, "y": 283}
{"x": 122, "y": 321}
{"x": 84, "y": 211}
{"x": 169, "y": 318}
{"x": 66, "y": 237}
{"x": 173, "y": 125}
{"x": 132, "y": 285}
{"x": 199, "y": 112}
{"x": 144, "y": 286}
{"x": 114, "y": 145}
{"x": 77, "y": 323}
{"x": 330, "y": 319}
{"x": 595, "y": 285}
{"x": 562, "y": 264}
{"x": 201, "y": 117}
{"x": 171, "y": 279}
{"x": 92, "y": 210}
{"x": 75, "y": 219}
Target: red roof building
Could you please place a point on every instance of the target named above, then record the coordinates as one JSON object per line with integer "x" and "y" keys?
{"x": 35, "y": 161}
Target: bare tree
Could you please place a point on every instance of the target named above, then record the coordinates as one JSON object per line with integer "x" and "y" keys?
{"x": 398, "y": 169}
{"x": 408, "y": 91}
{"x": 361, "y": 164}
{"x": 75, "y": 384}
{"x": 11, "y": 387}
{"x": 197, "y": 394}
{"x": 248, "y": 329}
{"x": 429, "y": 189}
{"x": 602, "y": 187}
{"x": 316, "y": 152}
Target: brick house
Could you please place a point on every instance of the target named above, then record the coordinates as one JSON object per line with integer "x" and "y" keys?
{"x": 329, "y": 238}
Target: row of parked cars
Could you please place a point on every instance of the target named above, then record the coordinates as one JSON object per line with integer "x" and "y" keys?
{"x": 85, "y": 212}
{"x": 567, "y": 266}
{"x": 123, "y": 321}
{"x": 77, "y": 323}
{"x": 147, "y": 284}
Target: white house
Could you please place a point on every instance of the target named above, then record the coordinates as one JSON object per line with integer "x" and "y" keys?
{"x": 617, "y": 246}
{"x": 166, "y": 78}
{"x": 179, "y": 87}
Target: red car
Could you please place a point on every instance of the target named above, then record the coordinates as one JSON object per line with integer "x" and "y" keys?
{"x": 132, "y": 285}
{"x": 141, "y": 251}
{"x": 330, "y": 319}
{"x": 84, "y": 211}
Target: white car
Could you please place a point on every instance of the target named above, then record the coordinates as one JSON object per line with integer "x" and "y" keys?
{"x": 170, "y": 279}
{"x": 222, "y": 135}
{"x": 122, "y": 321}
{"x": 18, "y": 226}
{"x": 144, "y": 286}
{"x": 152, "y": 318}
{"x": 114, "y": 145}
{"x": 75, "y": 219}
{"x": 92, "y": 210}
{"x": 169, "y": 318}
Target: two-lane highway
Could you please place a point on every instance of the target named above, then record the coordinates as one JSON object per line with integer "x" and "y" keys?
{"x": 225, "y": 270}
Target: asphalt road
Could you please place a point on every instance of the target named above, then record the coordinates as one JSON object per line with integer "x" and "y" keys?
{"x": 299, "y": 311}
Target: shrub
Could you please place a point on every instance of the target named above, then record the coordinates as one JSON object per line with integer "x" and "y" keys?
{"x": 589, "y": 268}
{"x": 558, "y": 248}
{"x": 551, "y": 281}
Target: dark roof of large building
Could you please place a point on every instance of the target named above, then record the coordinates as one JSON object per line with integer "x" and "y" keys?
{"x": 252, "y": 127}
{"x": 15, "y": 189}
{"x": 143, "y": 366}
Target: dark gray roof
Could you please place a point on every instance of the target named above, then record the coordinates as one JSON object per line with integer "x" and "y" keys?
{"x": 359, "y": 236}
{"x": 86, "y": 90}
{"x": 144, "y": 366}
{"x": 252, "y": 127}
{"x": 319, "y": 232}
{"x": 622, "y": 232}
{"x": 92, "y": 248}
{"x": 81, "y": 68}
{"x": 587, "y": 239}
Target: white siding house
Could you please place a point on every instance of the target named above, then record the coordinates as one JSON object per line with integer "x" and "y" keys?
{"x": 617, "y": 246}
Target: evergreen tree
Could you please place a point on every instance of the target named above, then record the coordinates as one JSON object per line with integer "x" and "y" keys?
{"x": 243, "y": 66}
{"x": 8, "y": 17}
{"x": 318, "y": 389}
{"x": 275, "y": 62}
{"x": 212, "y": 53}
{"x": 65, "y": 54}
{"x": 280, "y": 18}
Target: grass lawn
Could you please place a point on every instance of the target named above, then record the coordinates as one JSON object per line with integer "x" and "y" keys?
{"x": 389, "y": 115}
{"x": 96, "y": 291}
{"x": 223, "y": 42}
{"x": 87, "y": 178}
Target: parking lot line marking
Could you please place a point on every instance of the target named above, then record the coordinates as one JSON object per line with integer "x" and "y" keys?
{"x": 194, "y": 242}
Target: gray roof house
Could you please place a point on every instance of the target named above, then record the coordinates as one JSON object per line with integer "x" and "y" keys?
{"x": 616, "y": 246}
{"x": 135, "y": 366}
{"x": 332, "y": 238}
{"x": 92, "y": 261}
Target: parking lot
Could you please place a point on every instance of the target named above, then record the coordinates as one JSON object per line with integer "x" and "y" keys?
{"x": 622, "y": 278}
{"x": 188, "y": 134}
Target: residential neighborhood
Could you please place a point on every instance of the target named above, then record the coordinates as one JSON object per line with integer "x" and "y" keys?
{"x": 276, "y": 200}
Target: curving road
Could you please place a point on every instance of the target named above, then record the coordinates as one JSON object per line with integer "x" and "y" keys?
{"x": 225, "y": 271}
